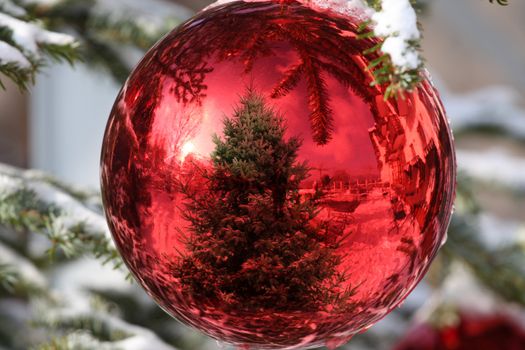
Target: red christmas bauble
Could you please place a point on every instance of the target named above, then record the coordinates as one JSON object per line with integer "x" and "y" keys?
{"x": 261, "y": 190}
{"x": 472, "y": 332}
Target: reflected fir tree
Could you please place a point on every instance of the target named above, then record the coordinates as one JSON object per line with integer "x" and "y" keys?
{"x": 255, "y": 241}
{"x": 326, "y": 46}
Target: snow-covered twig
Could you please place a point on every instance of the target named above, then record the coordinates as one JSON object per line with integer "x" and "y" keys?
{"x": 397, "y": 23}
{"x": 500, "y": 269}
{"x": 38, "y": 205}
{"x": 80, "y": 326}
{"x": 493, "y": 107}
{"x": 113, "y": 34}
{"x": 494, "y": 166}
{"x": 30, "y": 38}
{"x": 24, "y": 44}
{"x": 7, "y": 6}
{"x": 17, "y": 272}
{"x": 399, "y": 65}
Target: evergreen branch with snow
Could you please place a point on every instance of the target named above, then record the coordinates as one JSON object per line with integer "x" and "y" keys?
{"x": 399, "y": 63}
{"x": 125, "y": 31}
{"x": 500, "y": 269}
{"x": 107, "y": 34}
{"x": 96, "y": 328}
{"x": 30, "y": 35}
{"x": 76, "y": 341}
{"x": 8, "y": 277}
{"x": 19, "y": 276}
{"x": 36, "y": 205}
{"x": 25, "y": 46}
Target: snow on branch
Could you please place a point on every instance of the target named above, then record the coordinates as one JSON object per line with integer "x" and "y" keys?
{"x": 7, "y": 6}
{"x": 494, "y": 108}
{"x": 494, "y": 166}
{"x": 18, "y": 273}
{"x": 83, "y": 325}
{"x": 397, "y": 23}
{"x": 76, "y": 341}
{"x": 399, "y": 64}
{"x": 30, "y": 38}
{"x": 112, "y": 34}
{"x": 33, "y": 203}
{"x": 500, "y": 269}
{"x": 24, "y": 45}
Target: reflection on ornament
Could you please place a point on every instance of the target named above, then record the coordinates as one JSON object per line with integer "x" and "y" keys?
{"x": 259, "y": 187}
{"x": 186, "y": 149}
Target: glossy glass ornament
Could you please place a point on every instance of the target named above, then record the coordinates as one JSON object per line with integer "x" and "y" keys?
{"x": 261, "y": 190}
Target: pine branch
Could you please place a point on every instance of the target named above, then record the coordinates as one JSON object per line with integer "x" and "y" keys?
{"x": 375, "y": 4}
{"x": 126, "y": 30}
{"x": 100, "y": 325}
{"x": 8, "y": 277}
{"x": 25, "y": 47}
{"x": 493, "y": 111}
{"x": 101, "y": 36}
{"x": 76, "y": 341}
{"x": 18, "y": 275}
{"x": 403, "y": 73}
{"x": 291, "y": 78}
{"x": 21, "y": 76}
{"x": 94, "y": 329}
{"x": 500, "y": 269}
{"x": 104, "y": 34}
{"x": 500, "y": 2}
{"x": 321, "y": 114}
{"x": 35, "y": 204}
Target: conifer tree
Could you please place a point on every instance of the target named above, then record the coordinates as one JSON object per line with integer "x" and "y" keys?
{"x": 254, "y": 239}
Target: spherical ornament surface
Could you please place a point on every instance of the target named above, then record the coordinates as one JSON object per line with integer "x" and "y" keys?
{"x": 261, "y": 190}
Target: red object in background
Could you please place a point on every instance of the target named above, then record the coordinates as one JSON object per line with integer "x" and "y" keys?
{"x": 370, "y": 213}
{"x": 471, "y": 333}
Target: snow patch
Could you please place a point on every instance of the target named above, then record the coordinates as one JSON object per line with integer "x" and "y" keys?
{"x": 10, "y": 54}
{"x": 29, "y": 36}
{"x": 73, "y": 211}
{"x": 397, "y": 23}
{"x": 140, "y": 338}
{"x": 494, "y": 106}
{"x": 89, "y": 274}
{"x": 146, "y": 340}
{"x": 495, "y": 165}
{"x": 40, "y": 2}
{"x": 9, "y": 7}
{"x": 497, "y": 232}
{"x": 23, "y": 267}
{"x": 8, "y": 184}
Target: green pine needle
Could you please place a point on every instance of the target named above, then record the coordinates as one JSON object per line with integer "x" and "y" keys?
{"x": 500, "y": 2}
{"x": 8, "y": 278}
